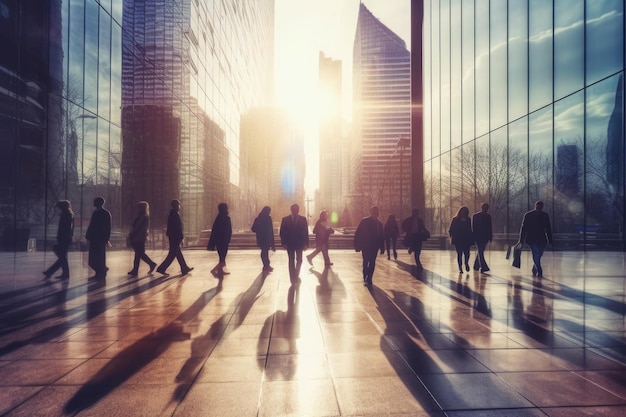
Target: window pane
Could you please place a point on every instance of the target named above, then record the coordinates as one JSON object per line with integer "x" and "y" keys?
{"x": 445, "y": 75}
{"x": 540, "y": 54}
{"x": 518, "y": 59}
{"x": 568, "y": 46}
{"x": 455, "y": 74}
{"x": 540, "y": 157}
{"x": 517, "y": 174}
{"x": 498, "y": 180}
{"x": 482, "y": 67}
{"x": 605, "y": 38}
{"x": 467, "y": 11}
{"x": 497, "y": 64}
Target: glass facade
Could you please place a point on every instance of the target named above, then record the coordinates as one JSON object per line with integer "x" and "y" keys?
{"x": 129, "y": 100}
{"x": 523, "y": 101}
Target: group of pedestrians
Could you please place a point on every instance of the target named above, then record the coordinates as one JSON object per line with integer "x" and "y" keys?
{"x": 370, "y": 237}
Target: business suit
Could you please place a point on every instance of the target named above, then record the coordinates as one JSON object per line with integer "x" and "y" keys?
{"x": 536, "y": 233}
{"x": 369, "y": 239}
{"x": 175, "y": 237}
{"x": 98, "y": 235}
{"x": 294, "y": 235}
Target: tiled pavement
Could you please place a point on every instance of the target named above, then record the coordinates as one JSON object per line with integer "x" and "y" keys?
{"x": 429, "y": 344}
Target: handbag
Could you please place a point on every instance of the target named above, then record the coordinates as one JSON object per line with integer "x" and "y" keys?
{"x": 424, "y": 234}
{"x": 517, "y": 256}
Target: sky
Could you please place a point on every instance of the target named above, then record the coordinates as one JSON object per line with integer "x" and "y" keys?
{"x": 303, "y": 29}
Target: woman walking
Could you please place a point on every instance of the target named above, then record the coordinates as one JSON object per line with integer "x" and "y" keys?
{"x": 65, "y": 232}
{"x": 137, "y": 237}
{"x": 221, "y": 232}
{"x": 322, "y": 232}
{"x": 462, "y": 237}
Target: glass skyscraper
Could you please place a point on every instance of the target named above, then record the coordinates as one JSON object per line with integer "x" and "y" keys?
{"x": 129, "y": 100}
{"x": 380, "y": 172}
{"x": 523, "y": 101}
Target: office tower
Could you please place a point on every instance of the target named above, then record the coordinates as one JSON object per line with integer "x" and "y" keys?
{"x": 382, "y": 118}
{"x": 331, "y": 139}
{"x": 190, "y": 69}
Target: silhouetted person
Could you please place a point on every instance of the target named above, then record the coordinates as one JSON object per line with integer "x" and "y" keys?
{"x": 138, "y": 235}
{"x": 294, "y": 236}
{"x": 536, "y": 233}
{"x": 221, "y": 232}
{"x": 65, "y": 232}
{"x": 369, "y": 239}
{"x": 481, "y": 226}
{"x": 391, "y": 232}
{"x": 175, "y": 236}
{"x": 414, "y": 234}
{"x": 462, "y": 237}
{"x": 264, "y": 230}
{"x": 98, "y": 235}
{"x": 322, "y": 231}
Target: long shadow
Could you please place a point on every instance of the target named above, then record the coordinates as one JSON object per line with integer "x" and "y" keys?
{"x": 135, "y": 357}
{"x": 202, "y": 346}
{"x": 97, "y": 303}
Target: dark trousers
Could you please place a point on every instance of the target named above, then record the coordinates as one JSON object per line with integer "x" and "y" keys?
{"x": 222, "y": 251}
{"x": 97, "y": 257}
{"x": 140, "y": 255}
{"x": 265, "y": 256}
{"x": 461, "y": 251}
{"x": 369, "y": 264}
{"x": 295, "y": 262}
{"x": 480, "y": 261}
{"x": 60, "y": 249}
{"x": 417, "y": 251}
{"x": 390, "y": 244}
{"x": 537, "y": 250}
{"x": 174, "y": 252}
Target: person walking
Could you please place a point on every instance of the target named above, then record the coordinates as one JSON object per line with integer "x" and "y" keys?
{"x": 536, "y": 233}
{"x": 294, "y": 236}
{"x": 221, "y": 232}
{"x": 264, "y": 230}
{"x": 481, "y": 226}
{"x": 369, "y": 239}
{"x": 391, "y": 232}
{"x": 322, "y": 231}
{"x": 65, "y": 233}
{"x": 175, "y": 237}
{"x": 98, "y": 235}
{"x": 137, "y": 237}
{"x": 462, "y": 237}
{"x": 414, "y": 234}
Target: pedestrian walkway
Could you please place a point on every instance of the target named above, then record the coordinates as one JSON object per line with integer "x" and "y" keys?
{"x": 434, "y": 343}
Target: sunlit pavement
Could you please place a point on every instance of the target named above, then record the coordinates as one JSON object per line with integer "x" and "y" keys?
{"x": 429, "y": 344}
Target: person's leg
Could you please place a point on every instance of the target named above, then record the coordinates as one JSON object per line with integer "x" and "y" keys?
{"x": 481, "y": 255}
{"x": 394, "y": 242}
{"x": 313, "y": 254}
{"x": 365, "y": 265}
{"x": 417, "y": 252}
{"x": 265, "y": 257}
{"x": 459, "y": 257}
{"x": 298, "y": 262}
{"x": 171, "y": 254}
{"x": 291, "y": 260}
{"x": 145, "y": 257}
{"x": 540, "y": 250}
{"x": 137, "y": 249}
{"x": 324, "y": 250}
{"x": 65, "y": 267}
{"x": 388, "y": 247}
{"x": 466, "y": 253}
{"x": 534, "y": 250}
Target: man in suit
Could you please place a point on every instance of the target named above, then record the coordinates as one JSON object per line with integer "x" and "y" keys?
{"x": 175, "y": 236}
{"x": 98, "y": 235}
{"x": 536, "y": 233}
{"x": 481, "y": 225}
{"x": 369, "y": 239}
{"x": 294, "y": 236}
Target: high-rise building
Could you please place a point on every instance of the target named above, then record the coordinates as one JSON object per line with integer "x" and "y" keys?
{"x": 186, "y": 81}
{"x": 331, "y": 139}
{"x": 523, "y": 101}
{"x": 380, "y": 172}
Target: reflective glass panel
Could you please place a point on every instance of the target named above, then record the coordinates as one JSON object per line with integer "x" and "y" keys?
{"x": 517, "y": 164}
{"x": 604, "y": 43}
{"x": 518, "y": 59}
{"x": 498, "y": 64}
{"x": 539, "y": 54}
{"x": 568, "y": 46}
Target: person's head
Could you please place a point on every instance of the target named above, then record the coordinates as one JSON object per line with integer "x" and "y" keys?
{"x": 484, "y": 207}
{"x": 175, "y": 204}
{"x": 391, "y": 218}
{"x": 98, "y": 202}
{"x": 463, "y": 212}
{"x": 295, "y": 209}
{"x": 266, "y": 210}
{"x": 323, "y": 215}
{"x": 415, "y": 212}
{"x": 222, "y": 208}
{"x": 143, "y": 207}
{"x": 539, "y": 205}
{"x": 375, "y": 212}
{"x": 64, "y": 205}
